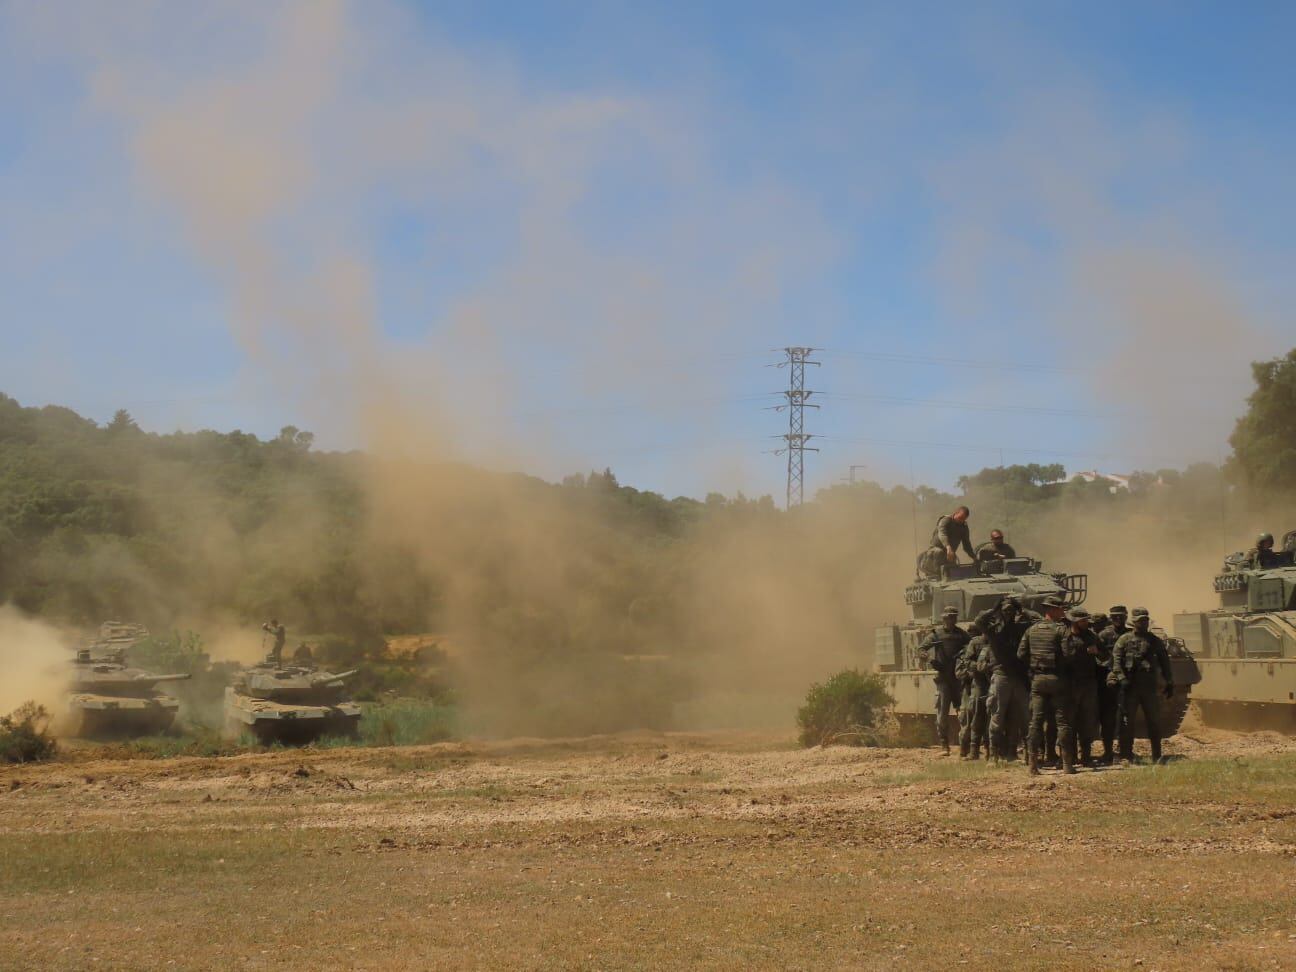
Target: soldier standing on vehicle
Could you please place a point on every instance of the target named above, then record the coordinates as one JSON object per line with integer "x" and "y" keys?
{"x": 1043, "y": 647}
{"x": 995, "y": 549}
{"x": 1109, "y": 693}
{"x": 1009, "y": 679}
{"x": 972, "y": 709}
{"x": 1136, "y": 658}
{"x": 943, "y": 647}
{"x": 1083, "y": 647}
{"x": 280, "y": 636}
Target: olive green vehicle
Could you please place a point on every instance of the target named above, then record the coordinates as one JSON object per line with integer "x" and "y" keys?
{"x": 1246, "y": 647}
{"x": 973, "y": 588}
{"x": 290, "y": 703}
{"x": 106, "y": 697}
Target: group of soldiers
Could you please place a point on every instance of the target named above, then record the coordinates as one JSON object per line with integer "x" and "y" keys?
{"x": 1067, "y": 678}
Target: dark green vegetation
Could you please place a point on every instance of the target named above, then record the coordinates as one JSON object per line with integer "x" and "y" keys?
{"x": 24, "y": 735}
{"x": 844, "y": 709}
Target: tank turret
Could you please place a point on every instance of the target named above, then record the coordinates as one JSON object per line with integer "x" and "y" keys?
{"x": 291, "y": 703}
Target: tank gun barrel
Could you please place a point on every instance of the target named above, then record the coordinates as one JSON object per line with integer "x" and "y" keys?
{"x": 327, "y": 679}
{"x": 178, "y": 677}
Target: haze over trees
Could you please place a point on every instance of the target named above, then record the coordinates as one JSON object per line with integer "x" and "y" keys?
{"x": 553, "y": 586}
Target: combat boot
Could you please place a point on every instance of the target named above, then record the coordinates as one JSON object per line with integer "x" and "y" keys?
{"x": 1156, "y": 751}
{"x": 1032, "y": 762}
{"x": 1068, "y": 765}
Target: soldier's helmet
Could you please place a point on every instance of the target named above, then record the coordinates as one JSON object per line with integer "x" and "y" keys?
{"x": 1118, "y": 611}
{"x": 1078, "y": 614}
{"x": 1140, "y": 614}
{"x": 950, "y": 612}
{"x": 1265, "y": 540}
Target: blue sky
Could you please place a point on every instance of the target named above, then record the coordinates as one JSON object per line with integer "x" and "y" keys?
{"x": 561, "y": 236}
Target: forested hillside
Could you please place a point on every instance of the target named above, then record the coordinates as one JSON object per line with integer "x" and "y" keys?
{"x": 547, "y": 588}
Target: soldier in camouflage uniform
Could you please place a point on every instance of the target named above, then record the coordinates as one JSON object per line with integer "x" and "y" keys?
{"x": 1043, "y": 647}
{"x": 1136, "y": 658}
{"x": 280, "y": 636}
{"x": 951, "y": 534}
{"x": 1083, "y": 647}
{"x": 942, "y": 649}
{"x": 972, "y": 711}
{"x": 1109, "y": 692}
{"x": 1007, "y": 701}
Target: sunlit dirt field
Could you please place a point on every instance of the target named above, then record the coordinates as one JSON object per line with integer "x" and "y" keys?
{"x": 649, "y": 851}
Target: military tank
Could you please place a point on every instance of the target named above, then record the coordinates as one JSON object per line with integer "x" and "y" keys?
{"x": 973, "y": 588}
{"x": 1246, "y": 647}
{"x": 290, "y": 703}
{"x": 106, "y": 697}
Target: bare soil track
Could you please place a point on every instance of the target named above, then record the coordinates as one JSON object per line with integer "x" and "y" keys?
{"x": 724, "y": 850}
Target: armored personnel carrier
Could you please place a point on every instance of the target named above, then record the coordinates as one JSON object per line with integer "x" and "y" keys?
{"x": 290, "y": 703}
{"x": 106, "y": 697}
{"x": 973, "y": 588}
{"x": 1246, "y": 647}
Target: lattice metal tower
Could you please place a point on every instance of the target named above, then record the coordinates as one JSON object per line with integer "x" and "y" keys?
{"x": 796, "y": 436}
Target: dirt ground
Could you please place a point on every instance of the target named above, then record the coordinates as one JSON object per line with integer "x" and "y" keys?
{"x": 725, "y": 850}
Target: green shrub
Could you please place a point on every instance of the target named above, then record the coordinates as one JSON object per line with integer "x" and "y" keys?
{"x": 844, "y": 709}
{"x": 24, "y": 735}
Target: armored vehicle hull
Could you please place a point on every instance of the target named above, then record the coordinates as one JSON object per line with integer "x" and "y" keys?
{"x": 974, "y": 588}
{"x": 290, "y": 704}
{"x": 1246, "y": 648}
{"x": 94, "y": 716}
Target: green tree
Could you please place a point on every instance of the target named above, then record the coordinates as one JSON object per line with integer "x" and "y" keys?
{"x": 1264, "y": 440}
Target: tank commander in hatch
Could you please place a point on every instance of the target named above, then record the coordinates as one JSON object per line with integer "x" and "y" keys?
{"x": 996, "y": 548}
{"x": 280, "y": 636}
{"x": 1262, "y": 555}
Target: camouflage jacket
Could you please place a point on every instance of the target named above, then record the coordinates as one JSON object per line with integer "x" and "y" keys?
{"x": 1085, "y": 665}
{"x": 968, "y": 668}
{"x": 1107, "y": 641}
{"x": 1001, "y": 640}
{"x": 951, "y": 533}
{"x": 1044, "y": 649}
{"x": 942, "y": 650}
{"x": 994, "y": 551}
{"x": 1140, "y": 656}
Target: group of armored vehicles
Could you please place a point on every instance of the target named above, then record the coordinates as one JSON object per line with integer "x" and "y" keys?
{"x": 1236, "y": 662}
{"x": 274, "y": 701}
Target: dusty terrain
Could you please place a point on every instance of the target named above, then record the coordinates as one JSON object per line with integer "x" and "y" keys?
{"x": 647, "y": 851}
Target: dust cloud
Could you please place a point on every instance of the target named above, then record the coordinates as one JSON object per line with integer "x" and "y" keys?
{"x": 34, "y": 657}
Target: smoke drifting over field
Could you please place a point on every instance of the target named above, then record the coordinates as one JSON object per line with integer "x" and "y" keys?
{"x": 34, "y": 659}
{"x": 273, "y": 138}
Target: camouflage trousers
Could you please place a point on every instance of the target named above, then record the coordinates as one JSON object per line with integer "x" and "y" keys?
{"x": 1108, "y": 714}
{"x": 1007, "y": 708}
{"x": 1051, "y": 696}
{"x": 973, "y": 717}
{"x": 1084, "y": 707}
{"x": 1140, "y": 693}
{"x": 947, "y": 703}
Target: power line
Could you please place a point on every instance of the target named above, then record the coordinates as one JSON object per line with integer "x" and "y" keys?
{"x": 796, "y": 436}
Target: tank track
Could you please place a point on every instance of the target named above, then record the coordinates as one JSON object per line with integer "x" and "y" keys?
{"x": 1173, "y": 712}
